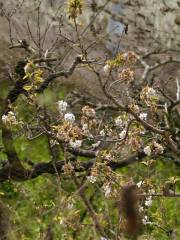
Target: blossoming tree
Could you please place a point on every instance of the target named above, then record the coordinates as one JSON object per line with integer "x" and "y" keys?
{"x": 108, "y": 156}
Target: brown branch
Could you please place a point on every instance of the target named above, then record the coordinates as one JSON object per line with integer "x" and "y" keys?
{"x": 21, "y": 174}
{"x": 148, "y": 68}
{"x": 89, "y": 207}
{"x": 127, "y": 109}
{"x": 67, "y": 73}
{"x": 173, "y": 194}
{"x": 23, "y": 44}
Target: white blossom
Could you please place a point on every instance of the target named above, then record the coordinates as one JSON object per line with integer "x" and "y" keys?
{"x": 69, "y": 117}
{"x": 118, "y": 122}
{"x": 86, "y": 131}
{"x": 75, "y": 143}
{"x": 122, "y": 134}
{"x": 92, "y": 179}
{"x": 70, "y": 206}
{"x": 70, "y": 203}
{"x": 148, "y": 201}
{"x": 103, "y": 238}
{"x": 141, "y": 209}
{"x": 151, "y": 93}
{"x": 102, "y": 133}
{"x": 147, "y": 150}
{"x": 5, "y": 119}
{"x": 62, "y": 222}
{"x": 139, "y": 184}
{"x": 28, "y": 67}
{"x": 53, "y": 142}
{"x": 107, "y": 68}
{"x": 151, "y": 191}
{"x": 95, "y": 145}
{"x": 145, "y": 220}
{"x": 143, "y": 116}
{"x": 9, "y": 119}
{"x": 62, "y": 105}
{"x": 88, "y": 111}
{"x": 158, "y": 148}
{"x": 85, "y": 127}
{"x": 107, "y": 190}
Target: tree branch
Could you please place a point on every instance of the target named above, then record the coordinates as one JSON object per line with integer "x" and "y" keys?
{"x": 22, "y": 174}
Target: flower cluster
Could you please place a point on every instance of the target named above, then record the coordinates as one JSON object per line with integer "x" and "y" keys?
{"x": 122, "y": 134}
{"x": 149, "y": 96}
{"x": 107, "y": 68}
{"x": 88, "y": 112}
{"x": 9, "y": 119}
{"x": 75, "y": 143}
{"x": 146, "y": 221}
{"x": 155, "y": 147}
{"x": 139, "y": 184}
{"x": 92, "y": 179}
{"x": 148, "y": 201}
{"x": 107, "y": 190}
{"x": 119, "y": 122}
{"x": 68, "y": 168}
{"x": 126, "y": 75}
{"x": 135, "y": 108}
{"x": 88, "y": 120}
{"x": 62, "y": 106}
{"x": 67, "y": 132}
{"x": 29, "y": 67}
{"x": 143, "y": 116}
{"x": 130, "y": 57}
{"x": 147, "y": 150}
{"x": 69, "y": 117}
{"x": 158, "y": 148}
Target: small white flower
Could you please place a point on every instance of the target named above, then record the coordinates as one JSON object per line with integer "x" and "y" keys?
{"x": 103, "y": 238}
{"x": 122, "y": 134}
{"x": 143, "y": 132}
{"x": 151, "y": 93}
{"x": 135, "y": 108}
{"x": 85, "y": 127}
{"x": 62, "y": 105}
{"x": 29, "y": 67}
{"x": 53, "y": 142}
{"x": 69, "y": 117}
{"x": 148, "y": 202}
{"x": 86, "y": 131}
{"x": 141, "y": 209}
{"x": 5, "y": 119}
{"x": 92, "y": 179}
{"x": 70, "y": 205}
{"x": 146, "y": 221}
{"x": 139, "y": 184}
{"x": 9, "y": 119}
{"x": 62, "y": 222}
{"x": 143, "y": 116}
{"x": 102, "y": 133}
{"x": 158, "y": 148}
{"x": 107, "y": 68}
{"x": 75, "y": 144}
{"x": 147, "y": 150}
{"x": 107, "y": 190}
{"x": 151, "y": 191}
{"x": 119, "y": 122}
{"x": 95, "y": 145}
